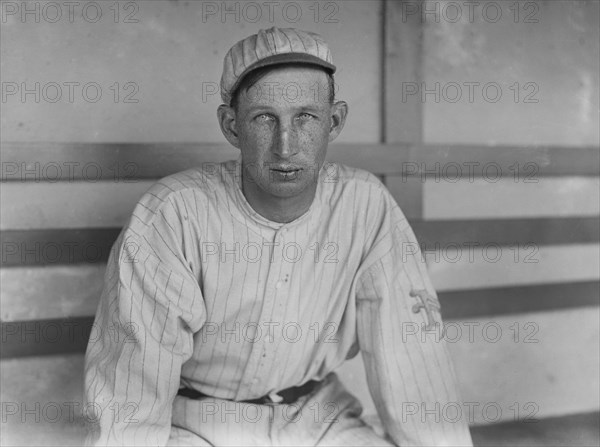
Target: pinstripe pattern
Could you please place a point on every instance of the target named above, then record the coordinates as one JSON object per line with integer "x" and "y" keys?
{"x": 202, "y": 291}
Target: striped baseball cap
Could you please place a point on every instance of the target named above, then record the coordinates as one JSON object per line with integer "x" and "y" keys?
{"x": 273, "y": 46}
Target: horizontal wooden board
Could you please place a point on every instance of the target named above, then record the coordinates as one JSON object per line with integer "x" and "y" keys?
{"x": 544, "y": 231}
{"x": 50, "y": 292}
{"x": 109, "y": 204}
{"x": 92, "y": 245}
{"x": 464, "y": 304}
{"x": 505, "y": 199}
{"x": 573, "y": 430}
{"x": 46, "y": 337}
{"x": 43, "y": 384}
{"x": 69, "y": 205}
{"x": 132, "y": 161}
{"x": 56, "y": 247}
{"x": 31, "y": 293}
{"x": 492, "y": 266}
{"x": 125, "y": 161}
{"x": 554, "y": 363}
{"x": 561, "y": 355}
{"x": 67, "y": 335}
{"x": 483, "y": 160}
{"x": 99, "y": 205}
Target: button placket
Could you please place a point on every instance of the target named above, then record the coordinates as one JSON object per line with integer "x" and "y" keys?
{"x": 277, "y": 315}
{"x": 261, "y": 356}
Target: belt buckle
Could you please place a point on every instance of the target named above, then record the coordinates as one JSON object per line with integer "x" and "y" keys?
{"x": 273, "y": 399}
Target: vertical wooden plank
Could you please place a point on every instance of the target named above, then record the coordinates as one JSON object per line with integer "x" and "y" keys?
{"x": 403, "y": 36}
{"x": 402, "y": 55}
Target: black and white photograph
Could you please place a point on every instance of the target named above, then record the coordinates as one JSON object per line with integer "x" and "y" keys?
{"x": 300, "y": 223}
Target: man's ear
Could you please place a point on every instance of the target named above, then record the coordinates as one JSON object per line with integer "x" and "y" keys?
{"x": 227, "y": 121}
{"x": 339, "y": 111}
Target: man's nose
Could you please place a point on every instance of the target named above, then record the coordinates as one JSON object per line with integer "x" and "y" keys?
{"x": 285, "y": 142}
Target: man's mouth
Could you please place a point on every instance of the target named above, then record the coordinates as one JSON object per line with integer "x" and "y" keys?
{"x": 285, "y": 172}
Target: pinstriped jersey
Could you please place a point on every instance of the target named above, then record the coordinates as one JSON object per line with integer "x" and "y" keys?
{"x": 202, "y": 291}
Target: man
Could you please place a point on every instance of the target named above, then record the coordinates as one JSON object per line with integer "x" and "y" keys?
{"x": 234, "y": 293}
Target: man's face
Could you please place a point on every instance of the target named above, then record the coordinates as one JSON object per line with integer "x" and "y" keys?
{"x": 283, "y": 127}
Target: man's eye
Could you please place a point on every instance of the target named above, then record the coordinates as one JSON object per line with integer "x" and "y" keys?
{"x": 263, "y": 117}
{"x": 306, "y": 116}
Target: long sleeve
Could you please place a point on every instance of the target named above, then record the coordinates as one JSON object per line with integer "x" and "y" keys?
{"x": 142, "y": 334}
{"x": 409, "y": 372}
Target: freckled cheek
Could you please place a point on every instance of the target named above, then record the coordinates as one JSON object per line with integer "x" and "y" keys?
{"x": 306, "y": 140}
{"x": 258, "y": 141}
{"x": 313, "y": 138}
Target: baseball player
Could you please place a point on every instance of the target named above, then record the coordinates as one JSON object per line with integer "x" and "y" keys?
{"x": 237, "y": 289}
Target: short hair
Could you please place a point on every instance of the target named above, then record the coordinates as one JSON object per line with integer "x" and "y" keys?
{"x": 256, "y": 75}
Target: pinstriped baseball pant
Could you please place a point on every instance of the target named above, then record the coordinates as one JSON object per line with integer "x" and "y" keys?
{"x": 328, "y": 416}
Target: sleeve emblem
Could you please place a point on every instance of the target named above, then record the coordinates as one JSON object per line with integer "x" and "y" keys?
{"x": 428, "y": 303}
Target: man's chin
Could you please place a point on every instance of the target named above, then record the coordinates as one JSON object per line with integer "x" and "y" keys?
{"x": 287, "y": 190}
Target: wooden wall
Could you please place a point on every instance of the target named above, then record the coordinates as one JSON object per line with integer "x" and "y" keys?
{"x": 512, "y": 245}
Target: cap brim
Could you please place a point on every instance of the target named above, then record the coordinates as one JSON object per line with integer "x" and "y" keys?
{"x": 284, "y": 58}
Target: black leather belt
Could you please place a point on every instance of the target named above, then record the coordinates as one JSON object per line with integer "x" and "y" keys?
{"x": 287, "y": 396}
